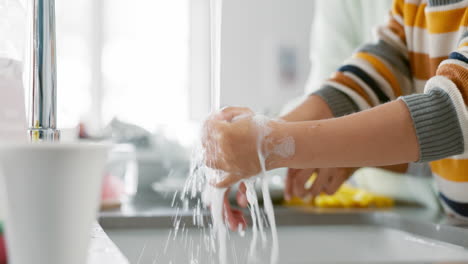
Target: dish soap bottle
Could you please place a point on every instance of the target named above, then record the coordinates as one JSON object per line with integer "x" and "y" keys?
{"x": 3, "y": 256}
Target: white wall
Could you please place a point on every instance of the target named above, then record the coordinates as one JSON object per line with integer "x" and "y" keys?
{"x": 254, "y": 32}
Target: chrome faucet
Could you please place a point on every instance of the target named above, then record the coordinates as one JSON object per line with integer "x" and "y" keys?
{"x": 42, "y": 72}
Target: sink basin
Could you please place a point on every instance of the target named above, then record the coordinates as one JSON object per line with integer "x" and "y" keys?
{"x": 404, "y": 234}
{"x": 304, "y": 244}
{"x": 363, "y": 237}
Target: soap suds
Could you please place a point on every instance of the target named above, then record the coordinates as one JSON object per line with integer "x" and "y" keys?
{"x": 285, "y": 148}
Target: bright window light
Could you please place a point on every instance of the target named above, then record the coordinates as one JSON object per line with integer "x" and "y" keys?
{"x": 145, "y": 61}
{"x": 141, "y": 73}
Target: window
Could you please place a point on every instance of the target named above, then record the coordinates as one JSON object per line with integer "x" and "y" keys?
{"x": 145, "y": 61}
{"x": 74, "y": 60}
{"x": 125, "y": 59}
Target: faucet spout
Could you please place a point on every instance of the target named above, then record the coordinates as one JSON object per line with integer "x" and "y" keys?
{"x": 42, "y": 71}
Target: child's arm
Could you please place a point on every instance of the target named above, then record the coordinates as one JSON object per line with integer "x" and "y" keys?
{"x": 381, "y": 136}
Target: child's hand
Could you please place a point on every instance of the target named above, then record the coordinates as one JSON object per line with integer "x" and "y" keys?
{"x": 328, "y": 181}
{"x": 230, "y": 142}
{"x": 235, "y": 217}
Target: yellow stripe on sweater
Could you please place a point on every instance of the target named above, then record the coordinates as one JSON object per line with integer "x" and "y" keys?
{"x": 414, "y": 15}
{"x": 451, "y": 169}
{"x": 436, "y": 21}
{"x": 382, "y": 70}
{"x": 397, "y": 7}
{"x": 447, "y": 21}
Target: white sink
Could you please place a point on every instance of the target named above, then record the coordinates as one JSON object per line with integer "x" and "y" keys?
{"x": 298, "y": 244}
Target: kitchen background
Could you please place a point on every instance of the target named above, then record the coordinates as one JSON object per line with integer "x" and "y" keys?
{"x": 132, "y": 62}
{"x": 139, "y": 74}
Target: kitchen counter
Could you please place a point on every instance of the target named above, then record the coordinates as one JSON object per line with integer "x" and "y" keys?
{"x": 102, "y": 250}
{"x": 152, "y": 211}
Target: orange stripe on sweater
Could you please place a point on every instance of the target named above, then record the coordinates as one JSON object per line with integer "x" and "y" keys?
{"x": 458, "y": 75}
{"x": 451, "y": 169}
{"x": 397, "y": 28}
{"x": 350, "y": 83}
{"x": 382, "y": 70}
{"x": 422, "y": 66}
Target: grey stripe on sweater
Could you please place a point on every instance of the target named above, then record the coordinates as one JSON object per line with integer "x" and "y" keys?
{"x": 464, "y": 35}
{"x": 436, "y": 123}
{"x": 340, "y": 103}
{"x": 389, "y": 54}
{"x": 442, "y": 2}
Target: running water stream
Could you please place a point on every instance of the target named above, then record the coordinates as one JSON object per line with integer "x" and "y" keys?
{"x": 199, "y": 191}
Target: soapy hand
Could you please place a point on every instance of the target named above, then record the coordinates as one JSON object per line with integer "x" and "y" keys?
{"x": 230, "y": 142}
{"x": 328, "y": 181}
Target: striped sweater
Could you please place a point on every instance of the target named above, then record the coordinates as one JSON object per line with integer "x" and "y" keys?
{"x": 421, "y": 57}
